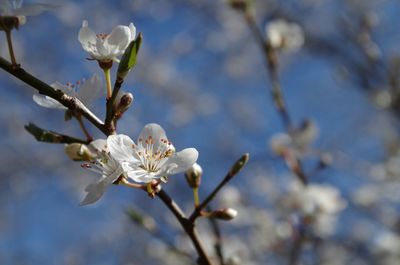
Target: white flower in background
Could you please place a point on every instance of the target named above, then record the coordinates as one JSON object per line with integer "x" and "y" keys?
{"x": 153, "y": 157}
{"x": 284, "y": 35}
{"x": 298, "y": 142}
{"x": 313, "y": 199}
{"x": 14, "y": 8}
{"x": 86, "y": 92}
{"x": 320, "y": 202}
{"x": 105, "y": 165}
{"x": 106, "y": 47}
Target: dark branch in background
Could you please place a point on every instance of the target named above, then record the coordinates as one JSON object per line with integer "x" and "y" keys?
{"x": 218, "y": 239}
{"x": 271, "y": 63}
{"x": 295, "y": 251}
{"x": 272, "y": 70}
{"x": 71, "y": 103}
{"x": 152, "y": 228}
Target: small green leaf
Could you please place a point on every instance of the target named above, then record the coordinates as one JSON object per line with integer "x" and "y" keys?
{"x": 128, "y": 60}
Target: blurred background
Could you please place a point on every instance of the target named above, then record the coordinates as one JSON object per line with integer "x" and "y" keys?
{"x": 202, "y": 77}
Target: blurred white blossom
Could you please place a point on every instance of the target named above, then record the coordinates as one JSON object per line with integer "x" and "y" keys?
{"x": 15, "y": 8}
{"x": 299, "y": 141}
{"x": 86, "y": 92}
{"x": 319, "y": 202}
{"x": 285, "y": 35}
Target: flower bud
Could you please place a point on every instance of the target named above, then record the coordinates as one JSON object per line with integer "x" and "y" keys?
{"x": 225, "y": 214}
{"x": 193, "y": 175}
{"x": 78, "y": 152}
{"x": 143, "y": 220}
{"x": 239, "y": 165}
{"x": 128, "y": 60}
{"x": 124, "y": 102}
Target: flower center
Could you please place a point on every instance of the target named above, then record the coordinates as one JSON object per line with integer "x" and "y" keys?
{"x": 153, "y": 155}
{"x": 102, "y": 36}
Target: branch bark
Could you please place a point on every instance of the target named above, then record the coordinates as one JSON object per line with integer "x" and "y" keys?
{"x": 187, "y": 225}
{"x": 71, "y": 103}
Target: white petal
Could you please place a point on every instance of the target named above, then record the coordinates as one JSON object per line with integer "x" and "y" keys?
{"x": 119, "y": 37}
{"x": 180, "y": 161}
{"x": 5, "y": 9}
{"x": 132, "y": 29}
{"x": 155, "y": 131}
{"x": 15, "y": 3}
{"x": 47, "y": 102}
{"x": 87, "y": 37}
{"x": 138, "y": 174}
{"x": 121, "y": 147}
{"x": 97, "y": 189}
{"x": 33, "y": 9}
{"x": 90, "y": 90}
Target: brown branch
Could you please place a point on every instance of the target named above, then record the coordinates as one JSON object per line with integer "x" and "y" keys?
{"x": 271, "y": 63}
{"x": 110, "y": 107}
{"x": 72, "y": 103}
{"x": 187, "y": 225}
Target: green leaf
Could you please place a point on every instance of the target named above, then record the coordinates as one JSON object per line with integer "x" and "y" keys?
{"x": 129, "y": 58}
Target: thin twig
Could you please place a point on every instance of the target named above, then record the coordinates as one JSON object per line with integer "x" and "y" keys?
{"x": 83, "y": 127}
{"x": 197, "y": 212}
{"x": 110, "y": 108}
{"x": 272, "y": 71}
{"x": 10, "y": 47}
{"x": 218, "y": 240}
{"x": 271, "y": 64}
{"x": 295, "y": 251}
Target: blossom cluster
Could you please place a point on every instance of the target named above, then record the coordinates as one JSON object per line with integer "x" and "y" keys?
{"x": 152, "y": 157}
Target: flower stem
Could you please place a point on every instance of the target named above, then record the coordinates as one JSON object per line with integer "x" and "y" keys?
{"x": 10, "y": 47}
{"x": 126, "y": 183}
{"x": 196, "y": 196}
{"x": 107, "y": 75}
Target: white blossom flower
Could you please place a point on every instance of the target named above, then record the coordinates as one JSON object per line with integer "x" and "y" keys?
{"x": 86, "y": 92}
{"x": 153, "y": 157}
{"x": 316, "y": 198}
{"x": 105, "y": 165}
{"x": 106, "y": 47}
{"x": 298, "y": 141}
{"x": 14, "y": 8}
{"x": 320, "y": 202}
{"x": 284, "y": 35}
